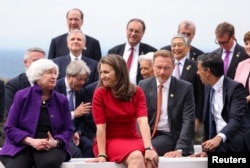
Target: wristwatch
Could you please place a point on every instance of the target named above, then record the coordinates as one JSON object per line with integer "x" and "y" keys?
{"x": 179, "y": 150}
{"x": 59, "y": 143}
{"x": 149, "y": 148}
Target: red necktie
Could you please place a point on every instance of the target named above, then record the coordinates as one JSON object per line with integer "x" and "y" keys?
{"x": 129, "y": 61}
{"x": 158, "y": 112}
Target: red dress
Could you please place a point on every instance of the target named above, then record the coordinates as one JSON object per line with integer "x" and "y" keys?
{"x": 122, "y": 136}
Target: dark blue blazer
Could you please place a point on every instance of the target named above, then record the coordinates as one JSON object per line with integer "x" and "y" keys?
{"x": 143, "y": 49}
{"x": 85, "y": 124}
{"x": 194, "y": 52}
{"x": 64, "y": 61}
{"x": 12, "y": 86}
{"x": 234, "y": 113}
{"x": 58, "y": 47}
{"x": 239, "y": 55}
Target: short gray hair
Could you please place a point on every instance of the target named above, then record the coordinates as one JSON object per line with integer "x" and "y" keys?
{"x": 37, "y": 68}
{"x": 77, "y": 67}
{"x": 75, "y": 31}
{"x": 185, "y": 39}
{"x": 31, "y": 50}
{"x": 149, "y": 57}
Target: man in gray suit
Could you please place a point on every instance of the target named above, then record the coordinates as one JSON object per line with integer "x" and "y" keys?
{"x": 175, "y": 127}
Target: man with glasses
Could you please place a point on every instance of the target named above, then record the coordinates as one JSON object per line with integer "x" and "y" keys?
{"x": 230, "y": 51}
{"x": 77, "y": 73}
{"x": 58, "y": 45}
{"x": 187, "y": 28}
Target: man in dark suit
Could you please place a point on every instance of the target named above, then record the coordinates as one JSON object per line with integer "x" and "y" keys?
{"x": 175, "y": 127}
{"x": 186, "y": 69}
{"x": 226, "y": 117}
{"x": 187, "y": 28}
{"x": 77, "y": 73}
{"x": 225, "y": 38}
{"x": 21, "y": 81}
{"x": 58, "y": 45}
{"x": 135, "y": 31}
{"x": 76, "y": 43}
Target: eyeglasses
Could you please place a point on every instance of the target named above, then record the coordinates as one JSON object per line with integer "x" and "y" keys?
{"x": 222, "y": 42}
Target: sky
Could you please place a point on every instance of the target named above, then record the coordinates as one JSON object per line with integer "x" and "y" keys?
{"x": 28, "y": 23}
{"x": 33, "y": 23}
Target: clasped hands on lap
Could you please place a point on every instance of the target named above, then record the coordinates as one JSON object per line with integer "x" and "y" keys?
{"x": 41, "y": 143}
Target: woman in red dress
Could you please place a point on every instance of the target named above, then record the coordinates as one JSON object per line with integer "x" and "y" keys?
{"x": 118, "y": 107}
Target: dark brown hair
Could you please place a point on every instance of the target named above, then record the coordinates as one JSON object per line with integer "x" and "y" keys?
{"x": 122, "y": 89}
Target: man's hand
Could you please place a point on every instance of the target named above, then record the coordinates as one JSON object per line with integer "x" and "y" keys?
{"x": 82, "y": 109}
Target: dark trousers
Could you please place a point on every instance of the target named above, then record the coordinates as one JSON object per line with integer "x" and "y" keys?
{"x": 163, "y": 143}
{"x": 86, "y": 146}
{"x": 29, "y": 158}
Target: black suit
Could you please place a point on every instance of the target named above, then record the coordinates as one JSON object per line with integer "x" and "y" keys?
{"x": 64, "y": 61}
{"x": 143, "y": 49}
{"x": 181, "y": 115}
{"x": 1, "y": 100}
{"x": 58, "y": 47}
{"x": 189, "y": 73}
{"x": 239, "y": 55}
{"x": 235, "y": 114}
{"x": 79, "y": 123}
{"x": 193, "y": 52}
{"x": 12, "y": 86}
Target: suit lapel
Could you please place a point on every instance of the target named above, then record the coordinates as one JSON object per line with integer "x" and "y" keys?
{"x": 171, "y": 99}
{"x": 186, "y": 69}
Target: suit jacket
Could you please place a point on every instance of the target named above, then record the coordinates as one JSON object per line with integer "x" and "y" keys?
{"x": 189, "y": 73}
{"x": 242, "y": 72}
{"x": 64, "y": 61}
{"x": 58, "y": 47}
{"x": 84, "y": 124}
{"x": 239, "y": 55}
{"x": 12, "y": 86}
{"x": 181, "y": 111}
{"x": 24, "y": 115}
{"x": 1, "y": 100}
{"x": 193, "y": 53}
{"x": 234, "y": 113}
{"x": 143, "y": 49}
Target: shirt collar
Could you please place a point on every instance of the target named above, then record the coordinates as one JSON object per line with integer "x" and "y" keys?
{"x": 165, "y": 84}
{"x": 219, "y": 84}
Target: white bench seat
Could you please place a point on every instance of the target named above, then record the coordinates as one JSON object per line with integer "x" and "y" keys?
{"x": 186, "y": 162}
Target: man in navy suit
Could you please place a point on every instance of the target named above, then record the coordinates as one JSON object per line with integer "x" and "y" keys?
{"x": 186, "y": 70}
{"x": 58, "y": 45}
{"x": 76, "y": 43}
{"x": 226, "y": 116}
{"x": 21, "y": 81}
{"x": 77, "y": 73}
{"x": 225, "y": 38}
{"x": 135, "y": 31}
{"x": 175, "y": 128}
{"x": 188, "y": 28}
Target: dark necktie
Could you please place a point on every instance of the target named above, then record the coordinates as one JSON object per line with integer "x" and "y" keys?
{"x": 212, "y": 126}
{"x": 71, "y": 101}
{"x": 226, "y": 62}
{"x": 130, "y": 58}
{"x": 158, "y": 108}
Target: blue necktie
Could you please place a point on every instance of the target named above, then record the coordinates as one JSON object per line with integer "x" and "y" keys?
{"x": 71, "y": 101}
{"x": 212, "y": 126}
